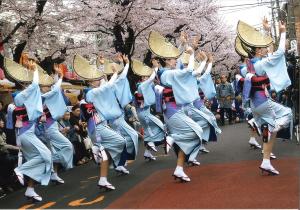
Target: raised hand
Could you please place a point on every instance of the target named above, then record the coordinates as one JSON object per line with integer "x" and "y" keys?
{"x": 210, "y": 58}
{"x": 125, "y": 59}
{"x": 119, "y": 57}
{"x": 282, "y": 27}
{"x": 195, "y": 42}
{"x": 266, "y": 25}
{"x": 189, "y": 50}
{"x": 58, "y": 70}
{"x": 155, "y": 63}
{"x": 183, "y": 37}
{"x": 101, "y": 59}
{"x": 32, "y": 65}
{"x": 201, "y": 56}
{"x": 113, "y": 68}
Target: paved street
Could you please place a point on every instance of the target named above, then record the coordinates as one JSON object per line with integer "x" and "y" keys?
{"x": 227, "y": 178}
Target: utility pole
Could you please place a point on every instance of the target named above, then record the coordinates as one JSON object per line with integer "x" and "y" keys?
{"x": 273, "y": 21}
{"x": 278, "y": 9}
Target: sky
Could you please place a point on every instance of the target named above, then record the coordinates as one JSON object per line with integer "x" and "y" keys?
{"x": 249, "y": 11}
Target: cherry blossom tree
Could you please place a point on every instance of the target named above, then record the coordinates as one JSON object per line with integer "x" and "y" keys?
{"x": 54, "y": 30}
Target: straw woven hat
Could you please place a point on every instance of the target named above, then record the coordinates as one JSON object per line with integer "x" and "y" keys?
{"x": 239, "y": 48}
{"x": 23, "y": 75}
{"x": 161, "y": 47}
{"x": 141, "y": 69}
{"x": 84, "y": 70}
{"x": 252, "y": 37}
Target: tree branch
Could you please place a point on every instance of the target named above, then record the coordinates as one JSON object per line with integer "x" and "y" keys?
{"x": 205, "y": 43}
{"x": 87, "y": 4}
{"x": 129, "y": 9}
{"x": 145, "y": 28}
{"x": 9, "y": 36}
{"x": 98, "y": 30}
{"x": 40, "y": 4}
{"x": 218, "y": 45}
{"x": 220, "y": 60}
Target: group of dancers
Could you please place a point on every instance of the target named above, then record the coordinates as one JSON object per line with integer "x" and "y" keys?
{"x": 173, "y": 84}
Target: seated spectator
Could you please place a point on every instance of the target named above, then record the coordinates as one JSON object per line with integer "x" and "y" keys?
{"x": 238, "y": 112}
{"x": 68, "y": 130}
{"x": 2, "y": 112}
{"x": 10, "y": 127}
{"x": 8, "y": 160}
{"x": 81, "y": 153}
{"x": 274, "y": 95}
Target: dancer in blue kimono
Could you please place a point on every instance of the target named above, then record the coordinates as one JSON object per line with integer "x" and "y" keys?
{"x": 254, "y": 131}
{"x": 177, "y": 92}
{"x": 154, "y": 133}
{"x": 124, "y": 97}
{"x": 197, "y": 111}
{"x": 61, "y": 147}
{"x": 38, "y": 163}
{"x": 99, "y": 106}
{"x": 207, "y": 89}
{"x": 263, "y": 71}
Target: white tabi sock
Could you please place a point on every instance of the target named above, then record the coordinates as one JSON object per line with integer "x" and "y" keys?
{"x": 103, "y": 179}
{"x": 30, "y": 191}
{"x": 179, "y": 169}
{"x": 266, "y": 162}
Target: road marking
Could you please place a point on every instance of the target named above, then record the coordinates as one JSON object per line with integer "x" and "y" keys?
{"x": 26, "y": 206}
{"x": 47, "y": 205}
{"x": 129, "y": 161}
{"x": 93, "y": 177}
{"x": 80, "y": 202}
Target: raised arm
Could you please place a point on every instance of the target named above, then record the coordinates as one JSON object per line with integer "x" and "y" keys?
{"x": 209, "y": 66}
{"x": 113, "y": 78}
{"x": 55, "y": 89}
{"x": 152, "y": 77}
{"x": 191, "y": 64}
{"x": 35, "y": 79}
{"x": 279, "y": 53}
{"x": 202, "y": 56}
{"x": 208, "y": 69}
{"x": 183, "y": 41}
{"x": 24, "y": 94}
{"x": 124, "y": 73}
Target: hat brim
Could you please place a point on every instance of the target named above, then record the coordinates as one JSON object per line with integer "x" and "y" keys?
{"x": 17, "y": 72}
{"x": 161, "y": 47}
{"x": 239, "y": 48}
{"x": 23, "y": 75}
{"x": 84, "y": 70}
{"x": 251, "y": 37}
{"x": 141, "y": 69}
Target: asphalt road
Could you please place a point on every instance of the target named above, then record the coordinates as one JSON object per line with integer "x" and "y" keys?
{"x": 80, "y": 188}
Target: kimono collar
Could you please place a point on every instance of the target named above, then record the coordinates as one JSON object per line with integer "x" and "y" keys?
{"x": 160, "y": 72}
{"x": 242, "y": 66}
{"x": 254, "y": 60}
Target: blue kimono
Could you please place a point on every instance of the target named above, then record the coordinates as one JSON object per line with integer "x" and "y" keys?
{"x": 107, "y": 107}
{"x": 186, "y": 133}
{"x": 153, "y": 127}
{"x": 264, "y": 109}
{"x": 38, "y": 157}
{"x": 204, "y": 117}
{"x": 124, "y": 97}
{"x": 197, "y": 110}
{"x": 62, "y": 148}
